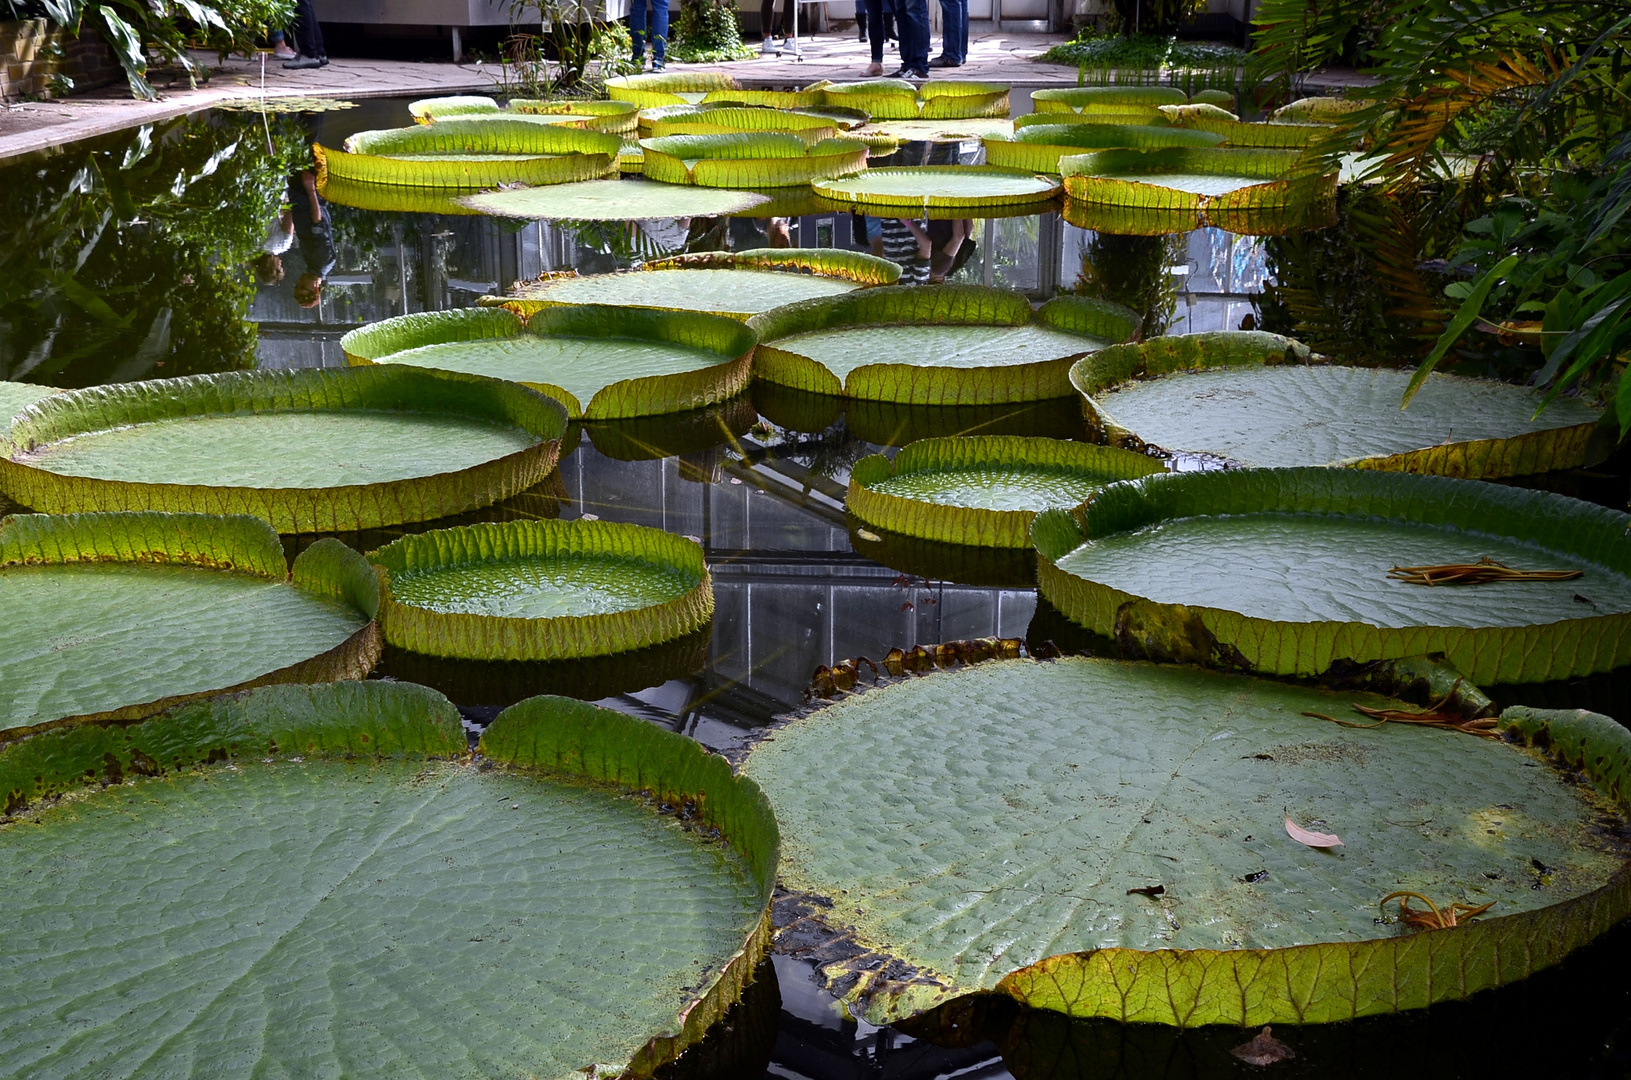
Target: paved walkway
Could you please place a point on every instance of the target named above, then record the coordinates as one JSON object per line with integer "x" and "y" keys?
{"x": 36, "y": 126}
{"x": 992, "y": 57}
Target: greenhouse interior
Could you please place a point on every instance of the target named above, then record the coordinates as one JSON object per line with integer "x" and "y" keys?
{"x": 1110, "y": 562}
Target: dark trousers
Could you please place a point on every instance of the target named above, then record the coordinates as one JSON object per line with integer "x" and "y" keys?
{"x": 877, "y": 15}
{"x": 912, "y": 23}
{"x": 308, "y": 36}
{"x": 954, "y": 30}
{"x": 659, "y": 28}
{"x": 767, "y": 15}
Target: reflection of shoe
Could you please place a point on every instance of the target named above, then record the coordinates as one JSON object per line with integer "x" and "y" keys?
{"x": 873, "y": 70}
{"x": 945, "y": 62}
{"x": 302, "y": 63}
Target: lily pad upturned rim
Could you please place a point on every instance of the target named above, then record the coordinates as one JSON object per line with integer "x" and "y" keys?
{"x": 1480, "y": 459}
{"x": 487, "y": 637}
{"x": 1298, "y": 984}
{"x": 660, "y": 89}
{"x": 1281, "y": 180}
{"x": 1076, "y": 99}
{"x": 290, "y": 510}
{"x": 649, "y": 395}
{"x": 944, "y": 205}
{"x": 727, "y": 117}
{"x": 1041, "y": 152}
{"x": 965, "y": 525}
{"x": 373, "y": 720}
{"x": 1485, "y": 655}
{"x": 393, "y": 198}
{"x": 727, "y": 160}
{"x": 939, "y": 305}
{"x": 471, "y": 154}
{"x": 898, "y": 99}
{"x": 236, "y": 543}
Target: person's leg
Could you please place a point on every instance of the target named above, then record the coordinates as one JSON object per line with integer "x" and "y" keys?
{"x": 659, "y": 31}
{"x": 961, "y": 7}
{"x": 790, "y": 12}
{"x": 954, "y": 33}
{"x": 914, "y": 36}
{"x": 767, "y": 19}
{"x": 875, "y": 24}
{"x": 637, "y": 27}
{"x": 308, "y": 35}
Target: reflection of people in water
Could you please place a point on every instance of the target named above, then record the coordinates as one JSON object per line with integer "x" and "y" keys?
{"x": 314, "y": 233}
{"x": 947, "y": 239}
{"x": 279, "y": 239}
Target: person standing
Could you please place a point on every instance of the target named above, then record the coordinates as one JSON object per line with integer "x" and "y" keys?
{"x": 308, "y": 38}
{"x": 912, "y": 23}
{"x": 954, "y": 34}
{"x": 658, "y": 34}
{"x": 767, "y": 23}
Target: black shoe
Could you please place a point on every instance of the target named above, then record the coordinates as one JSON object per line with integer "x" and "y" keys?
{"x": 902, "y": 72}
{"x": 945, "y": 62}
{"x": 302, "y": 63}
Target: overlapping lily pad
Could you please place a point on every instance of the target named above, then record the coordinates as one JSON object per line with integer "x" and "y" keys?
{"x": 1107, "y": 839}
{"x": 668, "y": 88}
{"x": 117, "y": 616}
{"x": 751, "y": 160}
{"x": 945, "y": 345}
{"x": 541, "y": 590}
{"x": 472, "y": 153}
{"x": 615, "y": 117}
{"x": 984, "y": 489}
{"x": 613, "y": 200}
{"x": 399, "y": 198}
{"x": 1173, "y": 189}
{"x": 941, "y": 191}
{"x": 309, "y": 451}
{"x": 601, "y": 362}
{"x": 725, "y": 119}
{"x": 900, "y": 99}
{"x": 1289, "y": 571}
{"x": 1256, "y": 399}
{"x": 1079, "y": 99}
{"x": 333, "y": 859}
{"x": 947, "y": 130}
{"x": 1038, "y": 147}
{"x": 738, "y": 284}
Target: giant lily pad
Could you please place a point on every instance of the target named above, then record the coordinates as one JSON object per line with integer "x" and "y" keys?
{"x": 940, "y": 191}
{"x": 669, "y": 88}
{"x": 899, "y": 99}
{"x": 1106, "y": 839}
{"x": 541, "y": 590}
{"x": 332, "y": 859}
{"x": 1038, "y": 147}
{"x": 754, "y": 159}
{"x": 1079, "y": 99}
{"x": 310, "y": 451}
{"x": 738, "y": 284}
{"x": 601, "y": 362}
{"x": 984, "y": 489}
{"x": 1255, "y": 399}
{"x": 1187, "y": 187}
{"x": 725, "y": 119}
{"x": 15, "y": 397}
{"x": 116, "y": 616}
{"x": 945, "y": 345}
{"x": 398, "y": 198}
{"x": 473, "y": 153}
{"x": 612, "y": 200}
{"x": 947, "y": 130}
{"x": 1295, "y": 574}
{"x": 615, "y": 117}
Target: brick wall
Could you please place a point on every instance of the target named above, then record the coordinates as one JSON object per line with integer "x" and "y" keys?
{"x": 34, "y": 52}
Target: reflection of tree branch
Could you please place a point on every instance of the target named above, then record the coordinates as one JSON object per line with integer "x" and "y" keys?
{"x": 829, "y": 453}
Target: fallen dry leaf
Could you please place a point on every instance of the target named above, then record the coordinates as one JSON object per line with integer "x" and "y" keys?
{"x": 1312, "y": 839}
{"x": 1265, "y": 1049}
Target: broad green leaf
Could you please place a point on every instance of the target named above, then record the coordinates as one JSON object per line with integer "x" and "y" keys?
{"x": 1254, "y": 399}
{"x": 940, "y": 345}
{"x": 775, "y": 99}
{"x": 668, "y": 88}
{"x": 121, "y": 615}
{"x": 1179, "y": 188}
{"x": 614, "y": 117}
{"x": 956, "y": 130}
{"x": 1016, "y": 806}
{"x": 333, "y": 860}
{"x": 1142, "y": 115}
{"x": 16, "y": 396}
{"x": 983, "y": 489}
{"x": 472, "y": 153}
{"x": 1297, "y": 571}
{"x": 309, "y": 450}
{"x": 1465, "y": 316}
{"x": 899, "y": 99}
{"x": 1038, "y": 147}
{"x": 541, "y": 590}
{"x": 731, "y": 119}
{"x": 749, "y": 159}
{"x": 599, "y": 361}
{"x": 438, "y": 108}
{"x": 612, "y": 200}
{"x": 400, "y": 198}
{"x": 737, "y": 284}
{"x": 1085, "y": 98}
{"x": 941, "y": 191}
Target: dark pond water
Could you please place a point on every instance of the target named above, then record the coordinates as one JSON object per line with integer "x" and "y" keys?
{"x": 136, "y": 257}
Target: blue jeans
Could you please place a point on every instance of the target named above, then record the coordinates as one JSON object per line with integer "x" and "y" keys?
{"x": 659, "y": 28}
{"x": 954, "y": 30}
{"x": 912, "y": 24}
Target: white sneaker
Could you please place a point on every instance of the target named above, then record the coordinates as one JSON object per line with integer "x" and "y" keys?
{"x": 766, "y": 47}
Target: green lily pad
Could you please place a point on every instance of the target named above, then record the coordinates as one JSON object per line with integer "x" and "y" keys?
{"x": 983, "y": 489}
{"x": 613, "y": 200}
{"x": 1085, "y": 98}
{"x": 724, "y": 119}
{"x": 900, "y": 99}
{"x": 946, "y": 345}
{"x": 310, "y": 451}
{"x": 1296, "y": 570}
{"x": 301, "y": 859}
{"x": 949, "y": 130}
{"x": 1020, "y": 808}
{"x": 667, "y": 88}
{"x": 395, "y": 198}
{"x": 1254, "y": 399}
{"x": 737, "y": 284}
{"x": 941, "y": 191}
{"x": 601, "y": 362}
{"x": 116, "y": 616}
{"x": 15, "y": 397}
{"x": 473, "y": 153}
{"x": 1194, "y": 186}
{"x": 1038, "y": 147}
{"x": 616, "y": 117}
{"x": 541, "y": 590}
{"x": 760, "y": 159}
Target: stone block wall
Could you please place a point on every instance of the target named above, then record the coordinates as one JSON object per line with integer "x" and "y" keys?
{"x": 35, "y": 52}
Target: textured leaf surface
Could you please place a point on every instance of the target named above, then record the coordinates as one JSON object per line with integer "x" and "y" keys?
{"x": 1206, "y": 180}
{"x": 942, "y": 187}
{"x": 15, "y": 397}
{"x": 1295, "y": 569}
{"x": 116, "y": 614}
{"x": 842, "y": 351}
{"x": 753, "y": 159}
{"x": 900, "y": 99}
{"x": 1290, "y": 414}
{"x": 668, "y": 88}
{"x": 983, "y": 489}
{"x": 739, "y": 293}
{"x": 541, "y": 590}
{"x": 309, "y": 450}
{"x": 1039, "y": 147}
{"x": 612, "y": 200}
{"x": 430, "y": 918}
{"x": 995, "y": 817}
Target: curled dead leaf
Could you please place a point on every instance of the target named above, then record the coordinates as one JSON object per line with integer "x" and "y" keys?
{"x": 1265, "y": 1049}
{"x": 1310, "y": 838}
